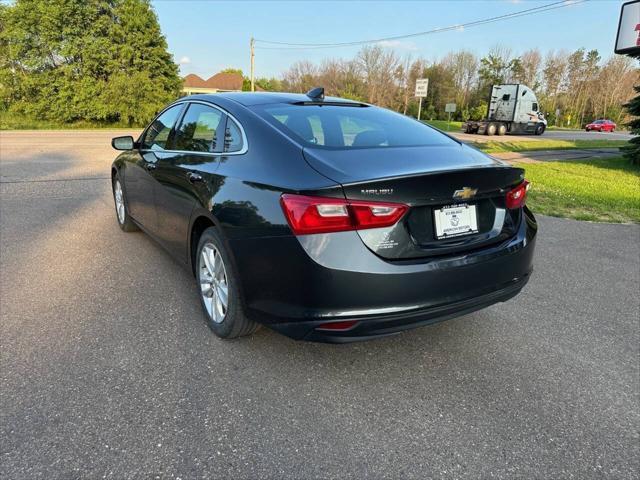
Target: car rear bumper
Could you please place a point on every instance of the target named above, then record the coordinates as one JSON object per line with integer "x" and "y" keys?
{"x": 294, "y": 285}
{"x": 380, "y": 326}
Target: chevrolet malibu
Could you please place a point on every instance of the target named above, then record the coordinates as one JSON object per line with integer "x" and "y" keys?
{"x": 322, "y": 218}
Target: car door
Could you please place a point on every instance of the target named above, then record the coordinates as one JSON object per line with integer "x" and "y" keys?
{"x": 181, "y": 175}
{"x": 139, "y": 180}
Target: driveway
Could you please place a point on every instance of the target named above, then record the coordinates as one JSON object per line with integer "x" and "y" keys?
{"x": 107, "y": 369}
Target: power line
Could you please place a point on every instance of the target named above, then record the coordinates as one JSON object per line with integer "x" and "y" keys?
{"x": 520, "y": 13}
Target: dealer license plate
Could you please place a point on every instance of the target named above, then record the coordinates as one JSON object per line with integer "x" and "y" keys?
{"x": 456, "y": 220}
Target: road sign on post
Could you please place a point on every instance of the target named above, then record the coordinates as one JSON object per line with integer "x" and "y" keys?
{"x": 450, "y": 108}
{"x": 422, "y": 85}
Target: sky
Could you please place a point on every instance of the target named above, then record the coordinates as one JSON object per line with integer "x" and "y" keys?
{"x": 208, "y": 36}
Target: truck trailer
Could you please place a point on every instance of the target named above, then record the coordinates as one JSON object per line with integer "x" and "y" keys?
{"x": 513, "y": 108}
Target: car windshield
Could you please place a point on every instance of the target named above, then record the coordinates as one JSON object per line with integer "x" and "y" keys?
{"x": 350, "y": 126}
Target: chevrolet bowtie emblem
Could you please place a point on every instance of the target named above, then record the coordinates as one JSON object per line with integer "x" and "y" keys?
{"x": 466, "y": 193}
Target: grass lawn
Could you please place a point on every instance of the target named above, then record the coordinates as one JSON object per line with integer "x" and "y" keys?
{"x": 601, "y": 190}
{"x": 542, "y": 144}
{"x": 442, "y": 125}
{"x": 10, "y": 121}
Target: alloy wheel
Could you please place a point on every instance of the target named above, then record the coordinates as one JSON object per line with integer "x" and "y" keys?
{"x": 117, "y": 193}
{"x": 213, "y": 283}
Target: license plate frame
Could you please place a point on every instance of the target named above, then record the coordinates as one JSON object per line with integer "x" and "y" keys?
{"x": 457, "y": 220}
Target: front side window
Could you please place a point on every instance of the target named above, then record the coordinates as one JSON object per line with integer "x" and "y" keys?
{"x": 534, "y": 107}
{"x": 337, "y": 126}
{"x": 157, "y": 135}
{"x": 233, "y": 137}
{"x": 198, "y": 131}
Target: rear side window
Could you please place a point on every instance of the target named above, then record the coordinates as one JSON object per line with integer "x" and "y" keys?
{"x": 157, "y": 135}
{"x": 198, "y": 130}
{"x": 336, "y": 126}
{"x": 233, "y": 141}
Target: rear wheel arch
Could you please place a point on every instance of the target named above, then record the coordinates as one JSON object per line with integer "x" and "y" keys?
{"x": 200, "y": 223}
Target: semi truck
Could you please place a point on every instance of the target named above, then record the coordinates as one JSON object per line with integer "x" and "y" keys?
{"x": 513, "y": 108}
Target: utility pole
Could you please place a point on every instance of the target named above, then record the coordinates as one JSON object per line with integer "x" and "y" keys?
{"x": 253, "y": 55}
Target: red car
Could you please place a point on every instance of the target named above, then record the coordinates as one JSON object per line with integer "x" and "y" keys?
{"x": 601, "y": 126}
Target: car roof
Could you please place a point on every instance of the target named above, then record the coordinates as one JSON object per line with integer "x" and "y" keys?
{"x": 261, "y": 98}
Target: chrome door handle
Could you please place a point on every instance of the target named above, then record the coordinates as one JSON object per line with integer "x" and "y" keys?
{"x": 150, "y": 166}
{"x": 194, "y": 177}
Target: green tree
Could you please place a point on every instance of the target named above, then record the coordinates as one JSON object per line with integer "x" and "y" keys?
{"x": 632, "y": 151}
{"x": 494, "y": 70}
{"x": 101, "y": 60}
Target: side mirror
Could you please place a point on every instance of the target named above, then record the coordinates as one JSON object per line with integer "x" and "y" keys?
{"x": 123, "y": 143}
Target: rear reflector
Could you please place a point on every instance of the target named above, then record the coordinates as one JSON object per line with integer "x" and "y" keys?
{"x": 517, "y": 197}
{"x": 337, "y": 326}
{"x": 308, "y": 215}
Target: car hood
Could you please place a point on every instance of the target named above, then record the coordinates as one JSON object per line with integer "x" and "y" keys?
{"x": 358, "y": 164}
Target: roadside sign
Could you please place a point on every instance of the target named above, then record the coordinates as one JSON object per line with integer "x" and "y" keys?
{"x": 628, "y": 38}
{"x": 422, "y": 85}
{"x": 449, "y": 108}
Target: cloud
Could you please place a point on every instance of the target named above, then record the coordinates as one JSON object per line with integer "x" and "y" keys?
{"x": 398, "y": 44}
{"x": 184, "y": 60}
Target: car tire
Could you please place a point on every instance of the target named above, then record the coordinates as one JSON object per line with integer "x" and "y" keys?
{"x": 122, "y": 207}
{"x": 491, "y": 129}
{"x": 540, "y": 129}
{"x": 502, "y": 129}
{"x": 587, "y": 129}
{"x": 215, "y": 275}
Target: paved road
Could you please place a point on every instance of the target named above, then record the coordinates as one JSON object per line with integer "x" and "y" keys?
{"x": 555, "y": 155}
{"x": 108, "y": 370}
{"x": 582, "y": 135}
{"x": 548, "y": 135}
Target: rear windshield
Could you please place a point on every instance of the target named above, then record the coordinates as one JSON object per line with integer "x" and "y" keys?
{"x": 335, "y": 126}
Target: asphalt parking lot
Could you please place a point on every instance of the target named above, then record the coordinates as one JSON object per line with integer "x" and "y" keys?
{"x": 107, "y": 369}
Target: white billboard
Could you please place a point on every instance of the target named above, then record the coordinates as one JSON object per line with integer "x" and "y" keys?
{"x": 628, "y": 39}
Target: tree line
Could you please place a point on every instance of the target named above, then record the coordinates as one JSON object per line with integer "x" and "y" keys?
{"x": 579, "y": 85}
{"x": 97, "y": 60}
{"x": 107, "y": 61}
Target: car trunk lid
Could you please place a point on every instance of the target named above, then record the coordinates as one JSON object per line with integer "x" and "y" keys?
{"x": 426, "y": 179}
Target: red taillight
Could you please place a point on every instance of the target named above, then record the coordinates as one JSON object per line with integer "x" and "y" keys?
{"x": 322, "y": 215}
{"x": 517, "y": 196}
{"x": 337, "y": 326}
